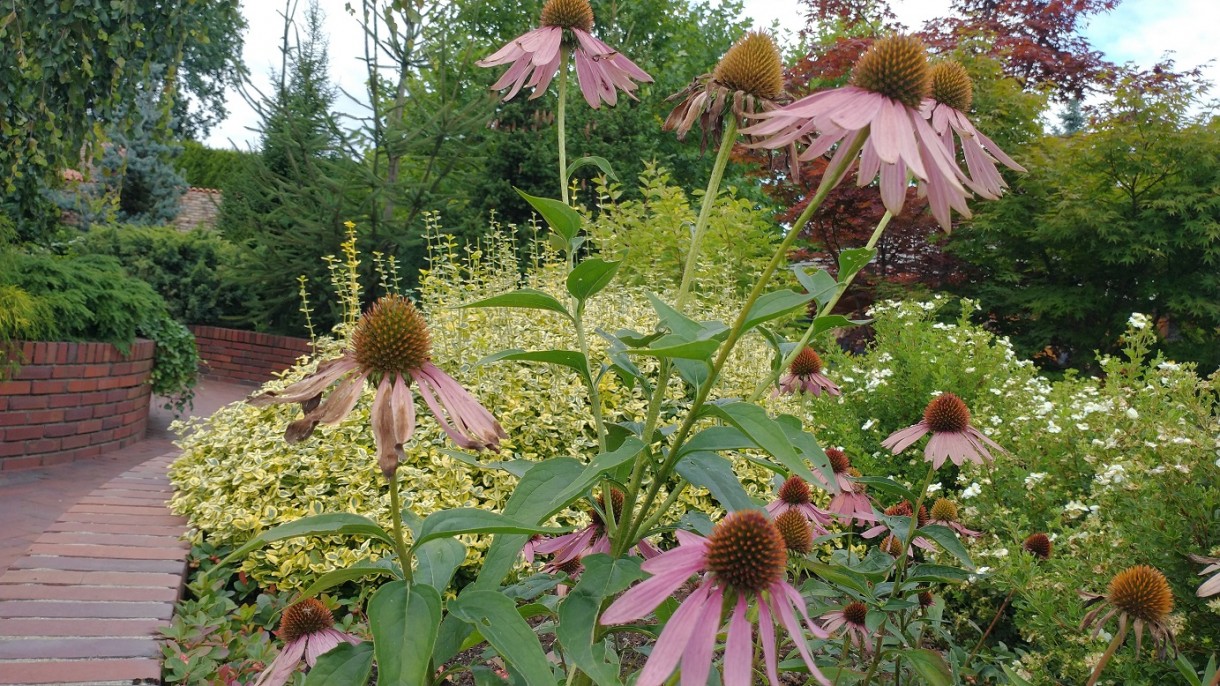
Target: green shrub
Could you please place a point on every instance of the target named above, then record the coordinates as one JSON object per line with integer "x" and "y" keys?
{"x": 205, "y": 167}
{"x": 192, "y": 270}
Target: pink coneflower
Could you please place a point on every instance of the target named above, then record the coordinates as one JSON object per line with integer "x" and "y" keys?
{"x": 794, "y": 495}
{"x": 900, "y": 509}
{"x": 952, "y": 435}
{"x": 592, "y": 539}
{"x": 851, "y": 618}
{"x": 944, "y": 513}
{"x": 308, "y": 632}
{"x": 389, "y": 348}
{"x": 880, "y": 111}
{"x": 804, "y": 375}
{"x": 852, "y": 503}
{"x": 1212, "y": 585}
{"x": 743, "y": 560}
{"x": 1139, "y": 595}
{"x": 536, "y": 56}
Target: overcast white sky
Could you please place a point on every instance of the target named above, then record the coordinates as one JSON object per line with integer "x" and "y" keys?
{"x": 1139, "y": 31}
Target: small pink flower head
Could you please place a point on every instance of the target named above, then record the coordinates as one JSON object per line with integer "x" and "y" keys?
{"x": 389, "y": 348}
{"x": 879, "y": 111}
{"x": 743, "y": 563}
{"x": 948, "y": 419}
{"x": 851, "y": 618}
{"x": 536, "y": 56}
{"x": 851, "y": 503}
{"x": 804, "y": 375}
{"x": 1211, "y": 586}
{"x": 570, "y": 548}
{"x": 794, "y": 494}
{"x": 900, "y": 509}
{"x": 944, "y": 513}
{"x": 308, "y": 632}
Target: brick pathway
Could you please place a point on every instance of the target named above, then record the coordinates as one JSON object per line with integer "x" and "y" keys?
{"x": 91, "y": 562}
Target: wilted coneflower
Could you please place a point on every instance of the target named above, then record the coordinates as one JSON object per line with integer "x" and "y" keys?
{"x": 794, "y": 495}
{"x": 851, "y": 618}
{"x": 948, "y": 419}
{"x": 945, "y": 108}
{"x": 1138, "y": 595}
{"x": 901, "y": 509}
{"x": 804, "y": 375}
{"x": 1039, "y": 545}
{"x": 1212, "y": 585}
{"x": 389, "y": 348}
{"x": 852, "y": 503}
{"x": 879, "y": 111}
{"x": 944, "y": 513}
{"x": 795, "y": 529}
{"x": 743, "y": 561}
{"x": 747, "y": 80}
{"x": 536, "y": 56}
{"x": 307, "y": 630}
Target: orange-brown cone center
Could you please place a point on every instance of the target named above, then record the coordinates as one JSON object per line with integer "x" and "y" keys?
{"x": 806, "y": 363}
{"x": 794, "y": 491}
{"x": 752, "y": 66}
{"x": 1141, "y": 592}
{"x": 568, "y": 14}
{"x": 839, "y": 461}
{"x": 951, "y": 85}
{"x": 1038, "y": 545}
{"x": 746, "y": 551}
{"x": 944, "y": 510}
{"x": 947, "y": 414}
{"x": 896, "y": 67}
{"x": 798, "y": 536}
{"x": 855, "y": 613}
{"x": 616, "y": 500}
{"x": 391, "y": 338}
{"x": 306, "y": 617}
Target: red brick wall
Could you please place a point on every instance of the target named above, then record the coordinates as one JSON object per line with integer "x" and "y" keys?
{"x": 70, "y": 401}
{"x": 232, "y": 355}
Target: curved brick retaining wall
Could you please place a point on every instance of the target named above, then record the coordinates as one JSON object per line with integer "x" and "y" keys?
{"x": 70, "y": 401}
{"x": 244, "y": 356}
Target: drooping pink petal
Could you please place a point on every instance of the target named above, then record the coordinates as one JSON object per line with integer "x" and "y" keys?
{"x": 340, "y": 402}
{"x": 306, "y": 389}
{"x": 281, "y": 669}
{"x": 644, "y": 597}
{"x": 782, "y": 606}
{"x": 674, "y": 638}
{"x": 697, "y": 658}
{"x": 766, "y": 634}
{"x": 402, "y": 405}
{"x": 904, "y": 438}
{"x": 739, "y": 646}
{"x": 384, "y": 432}
{"x": 1209, "y": 587}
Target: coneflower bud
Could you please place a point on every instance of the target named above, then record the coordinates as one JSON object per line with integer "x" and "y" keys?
{"x": 891, "y": 545}
{"x": 839, "y": 461}
{"x": 746, "y": 551}
{"x": 925, "y": 599}
{"x": 309, "y": 616}
{"x": 752, "y": 66}
{"x": 902, "y": 508}
{"x": 616, "y": 500}
{"x": 944, "y": 510}
{"x": 1141, "y": 592}
{"x": 1038, "y": 545}
{"x": 391, "y": 338}
{"x": 806, "y": 363}
{"x": 947, "y": 414}
{"x": 896, "y": 67}
{"x": 568, "y": 14}
{"x": 798, "y": 536}
{"x": 951, "y": 85}
{"x": 794, "y": 491}
{"x": 856, "y": 613}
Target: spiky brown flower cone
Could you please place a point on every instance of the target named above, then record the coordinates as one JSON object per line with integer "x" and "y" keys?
{"x": 926, "y": 599}
{"x": 951, "y": 85}
{"x": 568, "y": 14}
{"x": 391, "y": 338}
{"x": 1142, "y": 592}
{"x": 1039, "y": 545}
{"x": 752, "y": 66}
{"x": 309, "y": 616}
{"x": 794, "y": 491}
{"x": 806, "y": 363}
{"x": 798, "y": 536}
{"x": 856, "y": 613}
{"x": 616, "y": 500}
{"x": 891, "y": 545}
{"x": 746, "y": 551}
{"x": 902, "y": 508}
{"x": 896, "y": 67}
{"x": 839, "y": 461}
{"x": 947, "y": 414}
{"x": 944, "y": 510}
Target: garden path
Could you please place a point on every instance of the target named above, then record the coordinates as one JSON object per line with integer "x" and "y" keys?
{"x": 91, "y": 560}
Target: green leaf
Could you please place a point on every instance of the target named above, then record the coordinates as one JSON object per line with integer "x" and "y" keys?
{"x": 404, "y": 619}
{"x": 827, "y": 322}
{"x": 716, "y": 438}
{"x": 600, "y": 162}
{"x": 929, "y": 665}
{"x": 924, "y": 573}
{"x": 566, "y": 358}
{"x": 591, "y": 276}
{"x": 330, "y": 524}
{"x": 809, "y": 450}
{"x": 527, "y": 298}
{"x": 674, "y": 320}
{"x": 820, "y": 284}
{"x": 766, "y": 433}
{"x": 579, "y": 611}
{"x": 775, "y": 304}
{"x": 497, "y": 619}
{"x": 469, "y": 520}
{"x": 343, "y": 575}
{"x": 841, "y": 576}
{"x": 437, "y": 560}
{"x": 601, "y": 464}
{"x": 949, "y": 541}
{"x": 715, "y": 473}
{"x": 343, "y": 665}
{"x": 852, "y": 260}
{"x": 517, "y": 468}
{"x": 676, "y": 347}
{"x": 1017, "y": 680}
{"x": 562, "y": 219}
{"x": 887, "y": 485}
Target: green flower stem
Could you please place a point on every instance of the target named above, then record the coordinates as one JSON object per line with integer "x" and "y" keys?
{"x": 902, "y": 561}
{"x": 728, "y": 138}
{"x": 991, "y": 626}
{"x": 560, "y": 118}
{"x": 1105, "y": 658}
{"x": 599, "y": 422}
{"x": 826, "y": 309}
{"x": 829, "y": 180}
{"x": 400, "y": 544}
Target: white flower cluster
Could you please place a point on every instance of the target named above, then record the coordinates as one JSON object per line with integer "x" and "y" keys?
{"x": 1112, "y": 475}
{"x": 1076, "y": 508}
{"x": 1034, "y": 479}
{"x": 1138, "y": 321}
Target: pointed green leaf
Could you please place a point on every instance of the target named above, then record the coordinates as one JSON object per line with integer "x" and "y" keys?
{"x": 766, "y": 433}
{"x": 564, "y": 220}
{"x": 345, "y": 574}
{"x": 601, "y": 464}
{"x": 566, "y": 358}
{"x": 517, "y": 468}
{"x": 591, "y": 276}
{"x": 579, "y": 611}
{"x": 715, "y": 438}
{"x": 775, "y": 304}
{"x": 853, "y": 260}
{"x": 924, "y": 573}
{"x": 600, "y": 162}
{"x": 469, "y": 520}
{"x": 1017, "y": 680}
{"x": 437, "y": 560}
{"x": 715, "y": 473}
{"x": 675, "y": 347}
{"x": 527, "y": 298}
{"x": 497, "y": 619}
{"x": 404, "y": 619}
{"x": 330, "y": 524}
{"x": 949, "y": 541}
{"x": 820, "y": 284}
{"x": 830, "y": 321}
{"x": 674, "y": 320}
{"x": 343, "y": 665}
{"x": 809, "y": 450}
{"x": 929, "y": 665}
{"x": 887, "y": 485}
